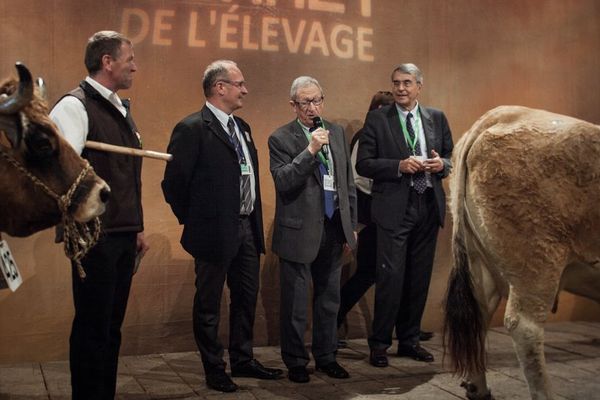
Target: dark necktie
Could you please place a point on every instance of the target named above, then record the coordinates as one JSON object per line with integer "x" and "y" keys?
{"x": 327, "y": 194}
{"x": 245, "y": 192}
{"x": 419, "y": 179}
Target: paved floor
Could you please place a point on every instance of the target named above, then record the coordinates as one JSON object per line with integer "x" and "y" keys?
{"x": 572, "y": 352}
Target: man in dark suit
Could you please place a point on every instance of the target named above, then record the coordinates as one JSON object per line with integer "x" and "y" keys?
{"x": 213, "y": 188}
{"x": 405, "y": 148}
{"x": 315, "y": 215}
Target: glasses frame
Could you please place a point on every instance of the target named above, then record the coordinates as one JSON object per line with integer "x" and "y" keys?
{"x": 306, "y": 103}
{"x": 237, "y": 84}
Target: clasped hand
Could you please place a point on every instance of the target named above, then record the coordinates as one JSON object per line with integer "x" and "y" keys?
{"x": 412, "y": 165}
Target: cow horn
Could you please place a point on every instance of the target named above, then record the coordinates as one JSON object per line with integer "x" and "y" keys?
{"x": 42, "y": 88}
{"x": 22, "y": 96}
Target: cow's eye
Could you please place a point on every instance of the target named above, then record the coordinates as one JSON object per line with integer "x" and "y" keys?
{"x": 40, "y": 145}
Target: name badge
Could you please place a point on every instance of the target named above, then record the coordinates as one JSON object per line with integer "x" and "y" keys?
{"x": 328, "y": 183}
{"x": 245, "y": 168}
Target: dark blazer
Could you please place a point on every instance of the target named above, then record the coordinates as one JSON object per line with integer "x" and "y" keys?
{"x": 201, "y": 184}
{"x": 382, "y": 146}
{"x": 299, "y": 213}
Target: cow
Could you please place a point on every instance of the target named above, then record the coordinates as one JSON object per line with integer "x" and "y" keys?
{"x": 524, "y": 201}
{"x": 42, "y": 179}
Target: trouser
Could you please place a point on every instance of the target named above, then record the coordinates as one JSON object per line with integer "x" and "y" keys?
{"x": 295, "y": 279}
{"x": 100, "y": 302}
{"x": 404, "y": 264}
{"x": 242, "y": 276}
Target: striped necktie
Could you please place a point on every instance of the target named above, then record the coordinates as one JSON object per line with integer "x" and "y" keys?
{"x": 245, "y": 191}
{"x": 419, "y": 179}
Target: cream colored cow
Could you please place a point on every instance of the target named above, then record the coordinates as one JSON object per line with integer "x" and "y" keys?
{"x": 525, "y": 201}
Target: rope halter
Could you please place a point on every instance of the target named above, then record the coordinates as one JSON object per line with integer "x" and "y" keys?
{"x": 78, "y": 237}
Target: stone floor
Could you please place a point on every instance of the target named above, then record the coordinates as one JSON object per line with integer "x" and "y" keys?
{"x": 572, "y": 352}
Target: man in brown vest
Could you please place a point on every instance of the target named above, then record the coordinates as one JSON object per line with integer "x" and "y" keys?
{"x": 93, "y": 111}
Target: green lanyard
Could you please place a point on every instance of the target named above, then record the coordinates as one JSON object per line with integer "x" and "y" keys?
{"x": 322, "y": 157}
{"x": 412, "y": 142}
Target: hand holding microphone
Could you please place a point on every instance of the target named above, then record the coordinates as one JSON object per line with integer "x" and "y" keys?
{"x": 319, "y": 137}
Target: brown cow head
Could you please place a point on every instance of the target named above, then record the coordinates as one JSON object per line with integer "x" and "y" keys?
{"x": 32, "y": 150}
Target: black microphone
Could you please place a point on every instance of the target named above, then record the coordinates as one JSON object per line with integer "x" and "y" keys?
{"x": 318, "y": 123}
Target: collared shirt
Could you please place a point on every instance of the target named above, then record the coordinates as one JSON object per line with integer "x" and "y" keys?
{"x": 419, "y": 131}
{"x": 70, "y": 115}
{"x": 223, "y": 118}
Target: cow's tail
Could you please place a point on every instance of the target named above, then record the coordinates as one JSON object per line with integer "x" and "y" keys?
{"x": 464, "y": 323}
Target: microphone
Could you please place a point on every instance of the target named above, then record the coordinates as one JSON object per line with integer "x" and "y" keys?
{"x": 318, "y": 123}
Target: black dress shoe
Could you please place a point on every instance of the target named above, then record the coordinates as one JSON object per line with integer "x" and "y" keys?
{"x": 415, "y": 351}
{"x": 425, "y": 336}
{"x": 378, "y": 358}
{"x": 254, "y": 369}
{"x": 334, "y": 370}
{"x": 219, "y": 380}
{"x": 298, "y": 374}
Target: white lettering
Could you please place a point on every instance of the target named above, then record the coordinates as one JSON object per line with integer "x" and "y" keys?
{"x": 246, "y": 43}
{"x": 126, "y": 24}
{"x": 268, "y": 32}
{"x": 316, "y": 38}
{"x": 227, "y": 30}
{"x": 346, "y": 50}
{"x": 193, "y": 41}
{"x": 293, "y": 44}
{"x": 235, "y": 29}
{"x": 363, "y": 43}
{"x": 329, "y": 6}
{"x": 160, "y": 25}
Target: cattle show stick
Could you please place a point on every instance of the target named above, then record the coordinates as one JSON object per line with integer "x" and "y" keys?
{"x": 90, "y": 144}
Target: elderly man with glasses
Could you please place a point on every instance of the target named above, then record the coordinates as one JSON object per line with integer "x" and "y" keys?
{"x": 315, "y": 217}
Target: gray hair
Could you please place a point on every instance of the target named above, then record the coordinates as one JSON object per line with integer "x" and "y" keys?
{"x": 301, "y": 82}
{"x": 216, "y": 71}
{"x": 410, "y": 69}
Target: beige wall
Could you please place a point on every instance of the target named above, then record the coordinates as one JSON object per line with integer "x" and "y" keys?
{"x": 475, "y": 55}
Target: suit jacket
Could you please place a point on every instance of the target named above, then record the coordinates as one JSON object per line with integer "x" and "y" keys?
{"x": 382, "y": 146}
{"x": 202, "y": 186}
{"x": 299, "y": 212}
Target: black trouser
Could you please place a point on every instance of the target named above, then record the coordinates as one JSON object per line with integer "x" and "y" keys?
{"x": 364, "y": 276}
{"x": 295, "y": 280}
{"x": 242, "y": 275}
{"x": 404, "y": 264}
{"x": 100, "y": 302}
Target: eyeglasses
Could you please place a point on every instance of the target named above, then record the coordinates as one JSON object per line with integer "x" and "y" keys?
{"x": 406, "y": 83}
{"x": 304, "y": 104}
{"x": 237, "y": 84}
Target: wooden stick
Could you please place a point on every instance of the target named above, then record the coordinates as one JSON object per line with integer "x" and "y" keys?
{"x": 90, "y": 144}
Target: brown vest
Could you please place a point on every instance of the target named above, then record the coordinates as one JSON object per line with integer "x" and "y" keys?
{"x": 121, "y": 172}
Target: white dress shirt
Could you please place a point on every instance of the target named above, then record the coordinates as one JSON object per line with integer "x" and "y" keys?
{"x": 70, "y": 115}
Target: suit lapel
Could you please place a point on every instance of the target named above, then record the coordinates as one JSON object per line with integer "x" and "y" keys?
{"x": 215, "y": 127}
{"x": 428, "y": 128}
{"x": 397, "y": 135}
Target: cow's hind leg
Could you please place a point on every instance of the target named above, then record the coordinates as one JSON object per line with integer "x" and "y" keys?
{"x": 489, "y": 297}
{"x": 524, "y": 319}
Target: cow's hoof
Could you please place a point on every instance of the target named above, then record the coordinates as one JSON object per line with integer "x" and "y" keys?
{"x": 474, "y": 394}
